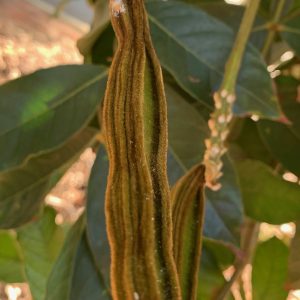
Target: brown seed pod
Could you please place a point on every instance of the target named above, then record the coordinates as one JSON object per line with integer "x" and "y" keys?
{"x": 188, "y": 214}
{"x": 138, "y": 208}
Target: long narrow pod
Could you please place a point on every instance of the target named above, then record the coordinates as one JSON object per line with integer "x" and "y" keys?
{"x": 138, "y": 208}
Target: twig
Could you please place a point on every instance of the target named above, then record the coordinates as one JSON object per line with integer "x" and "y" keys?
{"x": 248, "y": 248}
{"x": 273, "y": 26}
{"x": 224, "y": 99}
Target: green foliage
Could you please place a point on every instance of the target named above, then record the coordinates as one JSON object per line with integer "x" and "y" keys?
{"x": 40, "y": 243}
{"x": 294, "y": 261}
{"x": 270, "y": 270}
{"x": 263, "y": 190}
{"x": 50, "y": 117}
{"x": 11, "y": 261}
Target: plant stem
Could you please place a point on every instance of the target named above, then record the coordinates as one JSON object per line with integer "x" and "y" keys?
{"x": 234, "y": 62}
{"x": 273, "y": 28}
{"x": 248, "y": 247}
{"x": 224, "y": 99}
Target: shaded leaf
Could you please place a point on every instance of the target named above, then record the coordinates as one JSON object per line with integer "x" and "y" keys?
{"x": 41, "y": 242}
{"x": 270, "y": 270}
{"x": 74, "y": 275}
{"x": 99, "y": 26}
{"x": 103, "y": 48}
{"x": 294, "y": 261}
{"x": 290, "y": 31}
{"x": 251, "y": 142}
{"x": 60, "y": 279}
{"x": 42, "y": 110}
{"x": 22, "y": 190}
{"x": 187, "y": 131}
{"x": 282, "y": 143}
{"x": 211, "y": 278}
{"x": 267, "y": 197}
{"x": 224, "y": 253}
{"x": 232, "y": 16}
{"x": 87, "y": 283}
{"x": 289, "y": 100}
{"x": 11, "y": 262}
{"x": 200, "y": 68}
{"x": 96, "y": 227}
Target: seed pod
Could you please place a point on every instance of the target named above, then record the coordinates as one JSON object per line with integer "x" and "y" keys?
{"x": 188, "y": 214}
{"x": 138, "y": 208}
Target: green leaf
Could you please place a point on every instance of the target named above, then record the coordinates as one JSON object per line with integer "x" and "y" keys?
{"x": 282, "y": 143}
{"x": 60, "y": 279}
{"x": 96, "y": 227}
{"x": 87, "y": 283}
{"x": 251, "y": 142}
{"x": 294, "y": 261}
{"x": 100, "y": 37}
{"x": 289, "y": 99}
{"x": 270, "y": 270}
{"x": 187, "y": 131}
{"x": 232, "y": 15}
{"x": 41, "y": 242}
{"x": 290, "y": 31}
{"x": 211, "y": 278}
{"x": 74, "y": 275}
{"x": 11, "y": 261}
{"x": 22, "y": 190}
{"x": 196, "y": 57}
{"x": 42, "y": 110}
{"x": 267, "y": 197}
{"x": 224, "y": 253}
{"x": 103, "y": 48}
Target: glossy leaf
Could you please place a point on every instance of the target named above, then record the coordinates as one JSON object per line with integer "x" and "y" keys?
{"x": 22, "y": 190}
{"x": 74, "y": 275}
{"x": 181, "y": 31}
{"x": 60, "y": 279}
{"x": 232, "y": 16}
{"x": 294, "y": 261}
{"x": 41, "y": 242}
{"x": 96, "y": 227}
{"x": 187, "y": 130}
{"x": 42, "y": 110}
{"x": 282, "y": 142}
{"x": 11, "y": 262}
{"x": 87, "y": 283}
{"x": 270, "y": 270}
{"x": 267, "y": 197}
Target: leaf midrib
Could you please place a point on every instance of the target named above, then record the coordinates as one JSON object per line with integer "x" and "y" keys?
{"x": 59, "y": 103}
{"x": 171, "y": 35}
{"x": 43, "y": 178}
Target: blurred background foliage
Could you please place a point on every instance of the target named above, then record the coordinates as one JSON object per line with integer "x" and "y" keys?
{"x": 53, "y": 236}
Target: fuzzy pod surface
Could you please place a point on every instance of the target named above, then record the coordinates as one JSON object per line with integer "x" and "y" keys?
{"x": 188, "y": 214}
{"x": 138, "y": 206}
